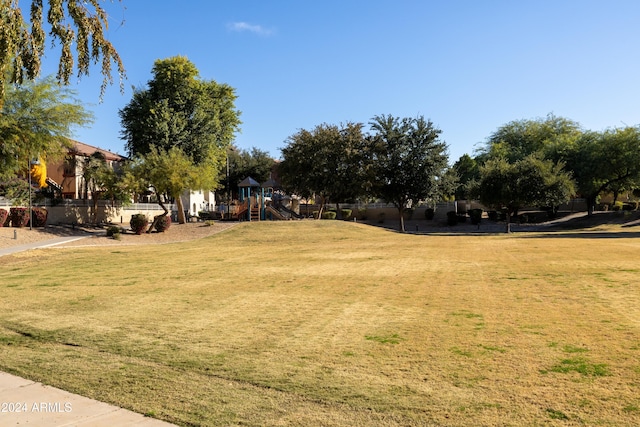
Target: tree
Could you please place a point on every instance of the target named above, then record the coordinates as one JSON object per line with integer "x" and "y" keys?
{"x": 255, "y": 163}
{"x": 468, "y": 172}
{"x": 409, "y": 160}
{"x": 170, "y": 173}
{"x": 179, "y": 110}
{"x": 531, "y": 181}
{"x": 521, "y": 138}
{"x": 36, "y": 121}
{"x": 325, "y": 162}
{"x": 22, "y": 43}
{"x": 605, "y": 161}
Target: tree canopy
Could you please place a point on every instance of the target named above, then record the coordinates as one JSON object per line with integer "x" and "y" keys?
{"x": 179, "y": 112}
{"x": 255, "y": 163}
{"x": 531, "y": 181}
{"x": 605, "y": 161}
{"x": 180, "y": 109}
{"x": 73, "y": 24}
{"x": 520, "y": 138}
{"x": 36, "y": 120}
{"x": 325, "y": 161}
{"x": 409, "y": 160}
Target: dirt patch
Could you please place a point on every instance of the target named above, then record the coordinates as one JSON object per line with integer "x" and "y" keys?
{"x": 94, "y": 236}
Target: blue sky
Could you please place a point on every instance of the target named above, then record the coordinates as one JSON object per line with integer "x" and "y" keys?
{"x": 470, "y": 66}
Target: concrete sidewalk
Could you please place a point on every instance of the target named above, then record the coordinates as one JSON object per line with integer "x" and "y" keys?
{"x": 25, "y": 402}
{"x": 40, "y": 244}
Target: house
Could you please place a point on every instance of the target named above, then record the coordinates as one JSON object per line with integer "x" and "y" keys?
{"x": 195, "y": 201}
{"x": 66, "y": 176}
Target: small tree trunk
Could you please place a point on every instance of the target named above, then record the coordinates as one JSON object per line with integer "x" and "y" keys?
{"x": 157, "y": 217}
{"x": 401, "y": 212}
{"x": 181, "y": 217}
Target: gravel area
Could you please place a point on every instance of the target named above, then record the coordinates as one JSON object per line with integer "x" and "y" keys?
{"x": 97, "y": 236}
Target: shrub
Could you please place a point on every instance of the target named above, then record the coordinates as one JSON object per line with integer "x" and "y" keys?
{"x": 315, "y": 214}
{"x": 138, "y": 223}
{"x": 329, "y": 215}
{"x": 346, "y": 213}
{"x": 112, "y": 230}
{"x": 493, "y": 215}
{"x": 476, "y": 216}
{"x": 19, "y": 217}
{"x": 429, "y": 213}
{"x": 4, "y": 216}
{"x": 617, "y": 206}
{"x": 462, "y": 217}
{"x": 408, "y": 213}
{"x": 362, "y": 213}
{"x": 163, "y": 224}
{"x": 39, "y": 217}
{"x": 209, "y": 222}
{"x": 452, "y": 218}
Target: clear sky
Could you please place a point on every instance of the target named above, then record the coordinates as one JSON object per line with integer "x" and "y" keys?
{"x": 470, "y": 66}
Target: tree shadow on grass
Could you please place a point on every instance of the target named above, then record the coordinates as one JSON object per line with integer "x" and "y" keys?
{"x": 584, "y": 235}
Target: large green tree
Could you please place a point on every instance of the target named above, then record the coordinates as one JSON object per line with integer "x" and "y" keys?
{"x": 520, "y": 138}
{"x": 409, "y": 160}
{"x": 531, "y": 181}
{"x": 75, "y": 24}
{"x": 36, "y": 120}
{"x": 255, "y": 163}
{"x": 467, "y": 170}
{"x": 326, "y": 162}
{"x": 180, "y": 110}
{"x": 605, "y": 161}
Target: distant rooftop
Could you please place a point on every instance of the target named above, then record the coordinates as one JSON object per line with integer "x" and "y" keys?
{"x": 86, "y": 150}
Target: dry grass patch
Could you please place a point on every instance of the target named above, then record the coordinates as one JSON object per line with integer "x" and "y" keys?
{"x": 333, "y": 323}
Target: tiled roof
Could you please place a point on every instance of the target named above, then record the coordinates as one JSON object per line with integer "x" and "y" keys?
{"x": 86, "y": 150}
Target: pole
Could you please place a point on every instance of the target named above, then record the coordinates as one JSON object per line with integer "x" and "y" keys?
{"x": 30, "y": 210}
{"x": 228, "y": 186}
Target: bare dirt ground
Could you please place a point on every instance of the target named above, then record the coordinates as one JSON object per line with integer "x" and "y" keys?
{"x": 97, "y": 236}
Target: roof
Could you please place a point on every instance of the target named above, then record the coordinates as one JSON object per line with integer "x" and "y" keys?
{"x": 249, "y": 182}
{"x": 80, "y": 148}
{"x": 271, "y": 183}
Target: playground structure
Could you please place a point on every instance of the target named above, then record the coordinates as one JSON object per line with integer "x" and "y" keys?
{"x": 259, "y": 202}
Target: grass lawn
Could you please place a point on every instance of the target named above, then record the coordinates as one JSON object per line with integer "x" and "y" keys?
{"x": 337, "y": 324}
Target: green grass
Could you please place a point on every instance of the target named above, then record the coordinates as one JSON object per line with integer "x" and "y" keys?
{"x": 337, "y": 324}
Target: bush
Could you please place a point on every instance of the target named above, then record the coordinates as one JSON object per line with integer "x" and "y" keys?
{"x": 315, "y": 214}
{"x": 138, "y": 223}
{"x": 329, "y": 215}
{"x": 362, "y": 213}
{"x": 452, "y": 218}
{"x": 493, "y": 215}
{"x": 408, "y": 213}
{"x": 163, "y": 224}
{"x": 462, "y": 217}
{"x": 346, "y": 214}
{"x": 113, "y": 230}
{"x": 4, "y": 217}
{"x": 429, "y": 213}
{"x": 19, "y": 217}
{"x": 39, "y": 217}
{"x": 476, "y": 216}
